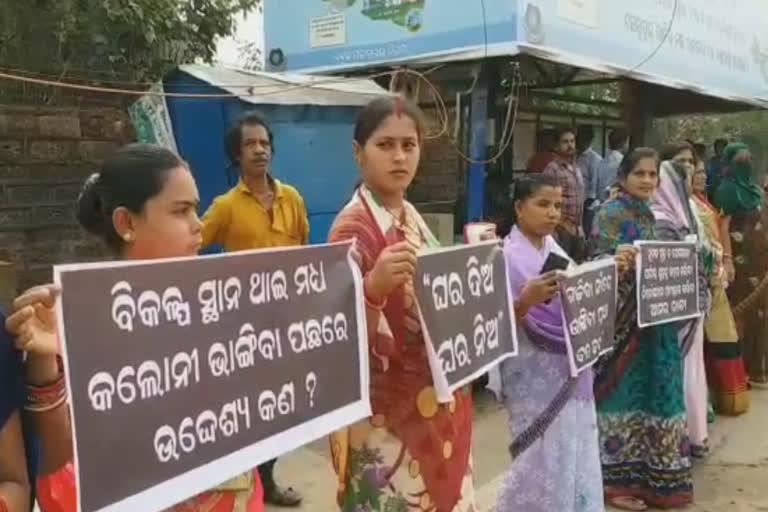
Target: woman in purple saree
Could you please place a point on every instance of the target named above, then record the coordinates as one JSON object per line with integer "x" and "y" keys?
{"x": 552, "y": 419}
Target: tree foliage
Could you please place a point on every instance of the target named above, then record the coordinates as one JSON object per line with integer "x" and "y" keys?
{"x": 134, "y": 40}
{"x": 747, "y": 127}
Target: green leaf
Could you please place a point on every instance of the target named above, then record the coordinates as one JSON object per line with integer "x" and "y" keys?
{"x": 369, "y": 494}
{"x": 119, "y": 38}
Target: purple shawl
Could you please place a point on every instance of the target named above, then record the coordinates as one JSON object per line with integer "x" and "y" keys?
{"x": 524, "y": 262}
{"x": 537, "y": 384}
{"x": 544, "y": 328}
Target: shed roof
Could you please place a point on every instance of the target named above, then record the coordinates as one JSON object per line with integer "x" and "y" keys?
{"x": 287, "y": 88}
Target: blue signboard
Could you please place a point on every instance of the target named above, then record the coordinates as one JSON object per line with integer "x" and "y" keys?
{"x": 345, "y": 34}
{"x": 718, "y": 45}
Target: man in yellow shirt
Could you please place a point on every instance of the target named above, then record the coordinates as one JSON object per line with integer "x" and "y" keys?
{"x": 257, "y": 213}
{"x": 260, "y": 211}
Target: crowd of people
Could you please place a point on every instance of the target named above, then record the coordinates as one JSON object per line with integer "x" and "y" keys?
{"x": 625, "y": 432}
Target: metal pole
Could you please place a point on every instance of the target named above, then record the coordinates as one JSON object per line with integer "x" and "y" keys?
{"x": 478, "y": 147}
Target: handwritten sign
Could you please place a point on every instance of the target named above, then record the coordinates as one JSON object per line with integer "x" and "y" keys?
{"x": 466, "y": 313}
{"x": 588, "y": 295}
{"x": 668, "y": 286}
{"x": 186, "y": 373}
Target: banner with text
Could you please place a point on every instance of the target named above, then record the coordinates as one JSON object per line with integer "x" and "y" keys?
{"x": 667, "y": 282}
{"x": 466, "y": 313}
{"x": 588, "y": 294}
{"x": 186, "y": 373}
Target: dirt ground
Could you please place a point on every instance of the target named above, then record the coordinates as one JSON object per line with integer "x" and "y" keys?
{"x": 733, "y": 479}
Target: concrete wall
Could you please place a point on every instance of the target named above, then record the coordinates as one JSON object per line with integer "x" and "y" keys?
{"x": 45, "y": 155}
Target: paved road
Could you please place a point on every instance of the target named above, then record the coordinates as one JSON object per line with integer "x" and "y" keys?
{"x": 733, "y": 479}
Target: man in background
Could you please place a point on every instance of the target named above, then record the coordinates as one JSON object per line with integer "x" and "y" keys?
{"x": 259, "y": 212}
{"x": 570, "y": 232}
{"x": 587, "y": 160}
{"x": 715, "y": 167}
{"x": 607, "y": 171}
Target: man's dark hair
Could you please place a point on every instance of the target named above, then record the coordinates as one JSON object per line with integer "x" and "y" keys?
{"x": 561, "y": 130}
{"x": 234, "y": 136}
{"x": 617, "y": 138}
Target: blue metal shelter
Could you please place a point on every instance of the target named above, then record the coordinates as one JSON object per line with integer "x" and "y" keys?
{"x": 312, "y": 119}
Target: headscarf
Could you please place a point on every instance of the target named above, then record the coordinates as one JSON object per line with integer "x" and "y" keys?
{"x": 524, "y": 262}
{"x": 670, "y": 202}
{"x": 738, "y": 192}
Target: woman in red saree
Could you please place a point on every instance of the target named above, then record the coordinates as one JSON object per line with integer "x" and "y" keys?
{"x": 413, "y": 453}
{"x": 144, "y": 204}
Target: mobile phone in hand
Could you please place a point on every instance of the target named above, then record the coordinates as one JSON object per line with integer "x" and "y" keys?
{"x": 554, "y": 262}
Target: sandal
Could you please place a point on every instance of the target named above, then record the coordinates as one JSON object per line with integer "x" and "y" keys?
{"x": 627, "y": 503}
{"x": 699, "y": 452}
{"x": 283, "y": 497}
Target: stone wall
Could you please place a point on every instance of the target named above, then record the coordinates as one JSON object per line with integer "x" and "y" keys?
{"x": 47, "y": 153}
{"x": 45, "y": 156}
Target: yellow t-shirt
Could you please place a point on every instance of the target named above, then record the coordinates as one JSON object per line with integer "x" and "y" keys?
{"x": 238, "y": 221}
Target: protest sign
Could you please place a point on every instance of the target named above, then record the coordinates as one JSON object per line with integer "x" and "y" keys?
{"x": 466, "y": 313}
{"x": 588, "y": 296}
{"x": 186, "y": 373}
{"x": 667, "y": 282}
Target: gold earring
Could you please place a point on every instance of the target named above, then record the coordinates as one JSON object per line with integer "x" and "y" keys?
{"x": 128, "y": 237}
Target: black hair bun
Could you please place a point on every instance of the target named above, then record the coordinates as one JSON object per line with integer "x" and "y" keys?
{"x": 90, "y": 213}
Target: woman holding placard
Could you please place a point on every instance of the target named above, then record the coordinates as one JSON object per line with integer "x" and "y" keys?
{"x": 552, "y": 418}
{"x": 676, "y": 222}
{"x": 742, "y": 204}
{"x": 413, "y": 453}
{"x": 639, "y": 387}
{"x": 144, "y": 205}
